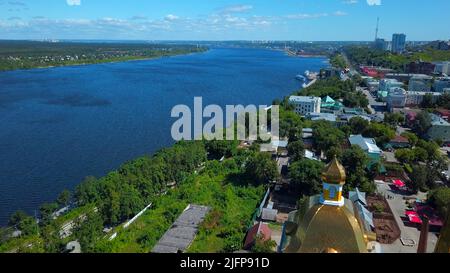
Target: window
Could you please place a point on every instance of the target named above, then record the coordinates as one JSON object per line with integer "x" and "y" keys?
{"x": 332, "y": 192}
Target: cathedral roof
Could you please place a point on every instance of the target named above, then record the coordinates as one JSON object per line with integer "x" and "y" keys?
{"x": 321, "y": 228}
{"x": 334, "y": 173}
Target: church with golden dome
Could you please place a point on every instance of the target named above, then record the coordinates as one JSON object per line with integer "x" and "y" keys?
{"x": 326, "y": 223}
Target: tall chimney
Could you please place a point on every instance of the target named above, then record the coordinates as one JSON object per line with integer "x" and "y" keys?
{"x": 423, "y": 241}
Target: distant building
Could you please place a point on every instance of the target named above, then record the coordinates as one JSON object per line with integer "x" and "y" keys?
{"x": 387, "y": 84}
{"x": 381, "y": 44}
{"x": 441, "y": 84}
{"x": 398, "y": 43}
{"x": 420, "y": 67}
{"x": 322, "y": 116}
{"x": 442, "y": 68}
{"x": 440, "y": 45}
{"x": 331, "y": 105}
{"x": 414, "y": 98}
{"x": 306, "y": 105}
{"x": 440, "y": 129}
{"x": 396, "y": 98}
{"x": 420, "y": 83}
{"x": 399, "y": 142}
{"x": 330, "y": 72}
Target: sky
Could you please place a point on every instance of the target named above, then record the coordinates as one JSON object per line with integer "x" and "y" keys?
{"x": 303, "y": 20}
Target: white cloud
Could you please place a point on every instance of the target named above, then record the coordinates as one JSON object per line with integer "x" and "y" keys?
{"x": 171, "y": 17}
{"x": 350, "y": 2}
{"x": 340, "y": 13}
{"x": 73, "y": 2}
{"x": 306, "y": 15}
{"x": 236, "y": 9}
{"x": 374, "y": 2}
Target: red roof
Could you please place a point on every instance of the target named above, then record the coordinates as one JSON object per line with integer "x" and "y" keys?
{"x": 430, "y": 213}
{"x": 399, "y": 183}
{"x": 444, "y": 113}
{"x": 400, "y": 139}
{"x": 258, "y": 229}
{"x": 413, "y": 217}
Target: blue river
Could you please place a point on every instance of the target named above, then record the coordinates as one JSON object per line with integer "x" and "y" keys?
{"x": 59, "y": 125}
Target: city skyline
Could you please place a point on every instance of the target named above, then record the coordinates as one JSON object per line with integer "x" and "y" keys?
{"x": 322, "y": 20}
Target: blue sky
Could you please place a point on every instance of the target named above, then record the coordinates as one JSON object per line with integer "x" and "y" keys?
{"x": 307, "y": 20}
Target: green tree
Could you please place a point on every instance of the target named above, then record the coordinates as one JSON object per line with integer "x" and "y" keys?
{"x": 358, "y": 125}
{"x": 261, "y": 169}
{"x": 418, "y": 178}
{"x": 263, "y": 246}
{"x": 422, "y": 123}
{"x": 88, "y": 231}
{"x": 394, "y": 119}
{"x": 296, "y": 150}
{"x": 440, "y": 198}
{"x": 46, "y": 211}
{"x": 64, "y": 198}
{"x": 327, "y": 136}
{"x": 306, "y": 176}
{"x": 381, "y": 132}
{"x": 23, "y": 222}
{"x": 412, "y": 138}
{"x": 427, "y": 101}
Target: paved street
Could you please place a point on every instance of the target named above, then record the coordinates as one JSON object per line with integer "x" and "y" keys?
{"x": 373, "y": 103}
{"x": 398, "y": 207}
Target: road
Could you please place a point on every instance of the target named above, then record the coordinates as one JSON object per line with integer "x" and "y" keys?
{"x": 398, "y": 207}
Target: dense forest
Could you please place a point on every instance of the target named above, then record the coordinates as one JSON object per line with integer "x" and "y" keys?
{"x": 363, "y": 55}
{"x": 33, "y": 54}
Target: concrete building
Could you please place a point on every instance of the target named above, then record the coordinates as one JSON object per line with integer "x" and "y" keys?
{"x": 440, "y": 84}
{"x": 381, "y": 44}
{"x": 398, "y": 43}
{"x": 402, "y": 77}
{"x": 322, "y": 116}
{"x": 396, "y": 98}
{"x": 442, "y": 68}
{"x": 420, "y": 67}
{"x": 420, "y": 83}
{"x": 387, "y": 84}
{"x": 414, "y": 98}
{"x": 305, "y": 105}
{"x": 440, "y": 129}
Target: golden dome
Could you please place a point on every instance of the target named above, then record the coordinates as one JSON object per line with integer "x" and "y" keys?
{"x": 330, "y": 250}
{"x": 317, "y": 228}
{"x": 334, "y": 173}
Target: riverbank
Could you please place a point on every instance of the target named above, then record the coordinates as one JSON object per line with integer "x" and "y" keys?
{"x": 93, "y": 62}
{"x": 131, "y": 96}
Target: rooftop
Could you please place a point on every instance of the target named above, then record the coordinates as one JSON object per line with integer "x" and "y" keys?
{"x": 304, "y": 99}
{"x": 182, "y": 233}
{"x": 437, "y": 120}
{"x": 367, "y": 144}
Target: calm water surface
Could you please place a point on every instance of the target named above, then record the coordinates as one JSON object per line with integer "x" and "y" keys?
{"x": 59, "y": 125}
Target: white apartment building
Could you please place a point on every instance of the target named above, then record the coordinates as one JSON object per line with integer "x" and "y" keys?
{"x": 420, "y": 83}
{"x": 442, "y": 68}
{"x": 305, "y": 105}
{"x": 387, "y": 84}
{"x": 414, "y": 98}
{"x": 440, "y": 84}
{"x": 396, "y": 98}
